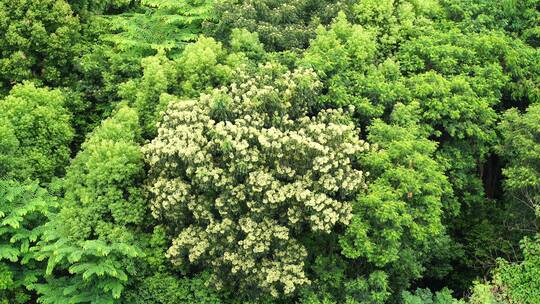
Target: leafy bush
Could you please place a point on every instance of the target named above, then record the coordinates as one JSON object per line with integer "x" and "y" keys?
{"x": 37, "y": 40}
{"x": 91, "y": 244}
{"x": 281, "y": 25}
{"x": 399, "y": 222}
{"x": 38, "y": 132}
{"x": 425, "y": 296}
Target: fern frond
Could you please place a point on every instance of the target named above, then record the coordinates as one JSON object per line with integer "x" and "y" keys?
{"x": 165, "y": 25}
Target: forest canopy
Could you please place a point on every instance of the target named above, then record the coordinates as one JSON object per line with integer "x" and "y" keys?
{"x": 270, "y": 151}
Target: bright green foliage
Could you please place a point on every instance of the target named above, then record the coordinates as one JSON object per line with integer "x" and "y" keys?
{"x": 92, "y": 238}
{"x": 523, "y": 64}
{"x": 106, "y": 172}
{"x": 206, "y": 64}
{"x": 521, "y": 148}
{"x": 36, "y": 41}
{"x": 425, "y": 296}
{"x": 243, "y": 41}
{"x": 242, "y": 174}
{"x": 145, "y": 94}
{"x": 203, "y": 66}
{"x": 343, "y": 55}
{"x": 461, "y": 79}
{"x": 392, "y": 21}
{"x": 9, "y": 145}
{"x": 451, "y": 107}
{"x": 281, "y": 25}
{"x": 484, "y": 293}
{"x": 450, "y": 50}
{"x": 23, "y": 208}
{"x": 398, "y": 52}
{"x": 37, "y": 133}
{"x": 188, "y": 16}
{"x": 96, "y": 273}
{"x": 521, "y": 282}
{"x": 400, "y": 218}
{"x": 165, "y": 25}
{"x": 455, "y": 113}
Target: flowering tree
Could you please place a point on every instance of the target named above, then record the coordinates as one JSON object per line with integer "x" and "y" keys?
{"x": 240, "y": 176}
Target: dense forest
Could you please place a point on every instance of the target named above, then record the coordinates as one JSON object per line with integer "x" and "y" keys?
{"x": 270, "y": 151}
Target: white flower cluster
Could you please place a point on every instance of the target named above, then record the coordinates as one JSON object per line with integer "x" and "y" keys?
{"x": 242, "y": 172}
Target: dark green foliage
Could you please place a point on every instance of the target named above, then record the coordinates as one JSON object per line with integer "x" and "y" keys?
{"x": 519, "y": 18}
{"x": 101, "y": 67}
{"x": 23, "y": 209}
{"x": 281, "y": 25}
{"x": 425, "y": 296}
{"x": 36, "y": 41}
{"x": 88, "y": 7}
{"x": 114, "y": 48}
{"x": 168, "y": 289}
{"x": 334, "y": 284}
